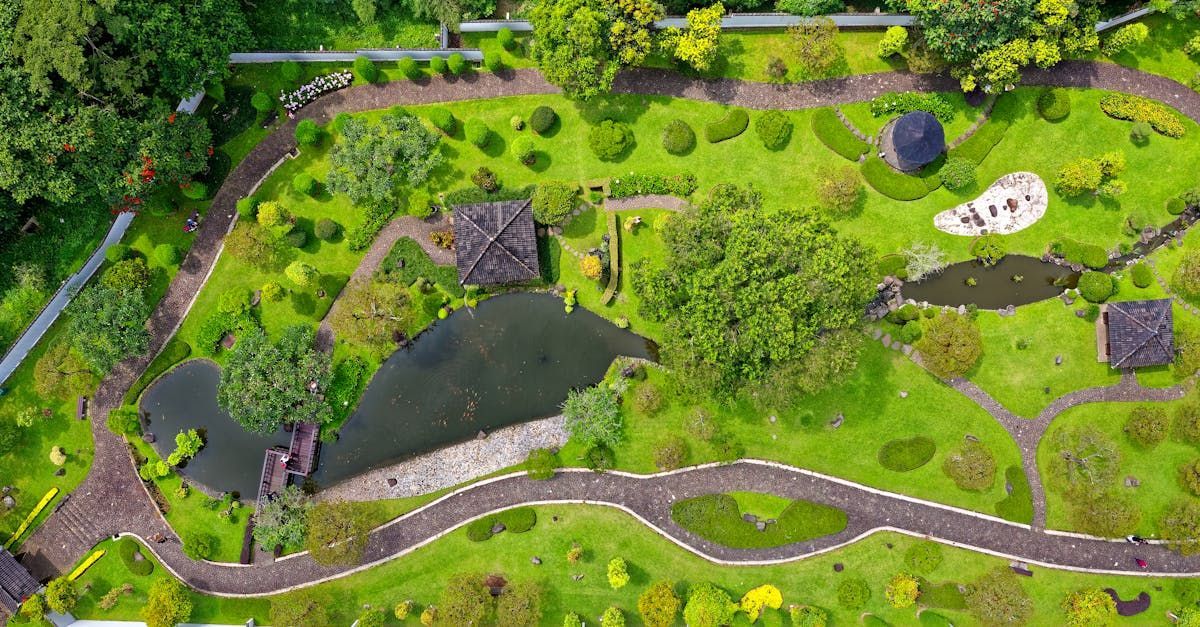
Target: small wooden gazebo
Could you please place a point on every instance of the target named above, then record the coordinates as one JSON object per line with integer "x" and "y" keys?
{"x": 1136, "y": 334}
{"x": 912, "y": 140}
{"x": 495, "y": 243}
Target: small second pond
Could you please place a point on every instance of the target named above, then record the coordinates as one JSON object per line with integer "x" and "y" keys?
{"x": 512, "y": 359}
{"x": 994, "y": 286}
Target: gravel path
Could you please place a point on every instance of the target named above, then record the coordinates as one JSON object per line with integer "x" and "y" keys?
{"x": 112, "y": 499}
{"x": 646, "y": 201}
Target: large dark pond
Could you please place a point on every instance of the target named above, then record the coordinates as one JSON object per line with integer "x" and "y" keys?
{"x": 510, "y": 360}
{"x": 994, "y": 287}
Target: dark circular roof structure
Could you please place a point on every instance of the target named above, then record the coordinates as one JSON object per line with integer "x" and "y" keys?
{"x": 915, "y": 138}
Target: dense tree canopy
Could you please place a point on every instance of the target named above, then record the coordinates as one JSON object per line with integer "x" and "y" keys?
{"x": 372, "y": 162}
{"x": 268, "y": 383}
{"x": 744, "y": 289}
{"x": 581, "y": 44}
{"x": 87, "y": 90}
{"x": 108, "y": 325}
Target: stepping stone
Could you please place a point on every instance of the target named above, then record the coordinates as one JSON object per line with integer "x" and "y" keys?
{"x": 907, "y": 349}
{"x": 876, "y": 333}
{"x": 896, "y": 345}
{"x": 886, "y": 339}
{"x": 903, "y": 393}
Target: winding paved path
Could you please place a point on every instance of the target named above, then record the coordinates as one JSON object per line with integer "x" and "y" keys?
{"x": 113, "y": 500}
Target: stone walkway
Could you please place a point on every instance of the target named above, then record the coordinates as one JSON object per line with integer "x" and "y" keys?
{"x": 112, "y": 499}
{"x": 646, "y": 201}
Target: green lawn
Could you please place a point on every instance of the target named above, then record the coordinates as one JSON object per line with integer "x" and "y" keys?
{"x": 1157, "y": 469}
{"x": 1162, "y": 52}
{"x": 305, "y": 25}
{"x": 420, "y": 576}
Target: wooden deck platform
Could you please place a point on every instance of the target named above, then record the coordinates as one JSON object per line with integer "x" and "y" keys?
{"x": 274, "y": 474}
{"x": 305, "y": 446}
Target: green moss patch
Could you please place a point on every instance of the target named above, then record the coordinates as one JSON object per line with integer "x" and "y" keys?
{"x": 718, "y": 518}
{"x": 907, "y": 455}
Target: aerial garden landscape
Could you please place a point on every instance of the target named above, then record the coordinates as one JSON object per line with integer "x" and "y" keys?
{"x": 454, "y": 312}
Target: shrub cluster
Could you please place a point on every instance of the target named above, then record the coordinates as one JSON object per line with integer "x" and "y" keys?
{"x": 681, "y": 185}
{"x": 326, "y": 229}
{"x": 774, "y": 129}
{"x": 1147, "y": 426}
{"x": 971, "y": 466}
{"x": 1138, "y": 109}
{"x": 1090, "y": 255}
{"x": 1095, "y": 287}
{"x": 610, "y": 139}
{"x": 516, "y": 520}
{"x": 957, "y": 173}
{"x": 899, "y": 103}
{"x": 733, "y": 124}
{"x": 678, "y": 138}
{"x": 443, "y": 119}
{"x": 1142, "y": 275}
{"x": 542, "y": 119}
{"x": 308, "y": 133}
{"x": 553, "y": 201}
{"x": 977, "y": 146}
{"x": 830, "y": 130}
{"x": 1054, "y": 104}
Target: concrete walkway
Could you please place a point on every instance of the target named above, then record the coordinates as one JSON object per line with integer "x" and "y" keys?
{"x": 34, "y": 332}
{"x": 113, "y": 500}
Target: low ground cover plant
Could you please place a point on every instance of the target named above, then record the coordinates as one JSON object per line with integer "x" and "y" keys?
{"x": 717, "y": 518}
{"x": 830, "y": 130}
{"x": 906, "y": 454}
{"x": 515, "y": 520}
{"x": 733, "y": 124}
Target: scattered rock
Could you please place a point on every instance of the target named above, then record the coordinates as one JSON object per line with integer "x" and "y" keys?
{"x": 9, "y": 502}
{"x": 749, "y": 518}
{"x": 392, "y": 482}
{"x": 6, "y": 489}
{"x": 886, "y": 339}
{"x": 970, "y": 438}
{"x": 138, "y": 557}
{"x": 1008, "y": 487}
{"x": 1132, "y": 482}
{"x": 837, "y": 568}
{"x": 903, "y": 393}
{"x": 256, "y": 298}
{"x": 760, "y": 525}
{"x": 890, "y": 546}
{"x": 498, "y": 527}
{"x": 535, "y": 560}
{"x": 481, "y": 435}
{"x": 1058, "y": 360}
{"x": 60, "y": 472}
{"x": 1067, "y": 299}
{"x": 1080, "y": 313}
{"x": 577, "y": 577}
{"x": 148, "y": 438}
{"x": 837, "y": 421}
{"x": 876, "y": 334}
{"x": 772, "y": 419}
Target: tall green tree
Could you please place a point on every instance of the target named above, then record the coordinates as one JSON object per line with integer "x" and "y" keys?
{"x": 108, "y": 324}
{"x": 266, "y": 384}
{"x": 372, "y": 162}
{"x": 337, "y": 533}
{"x": 167, "y": 603}
{"x": 581, "y": 44}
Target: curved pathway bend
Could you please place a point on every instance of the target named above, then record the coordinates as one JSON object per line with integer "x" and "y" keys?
{"x": 112, "y": 499}
{"x": 648, "y": 498}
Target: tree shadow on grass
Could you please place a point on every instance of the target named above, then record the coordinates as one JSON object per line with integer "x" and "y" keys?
{"x": 542, "y": 161}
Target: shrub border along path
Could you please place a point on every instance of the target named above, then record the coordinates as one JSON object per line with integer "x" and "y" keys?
{"x": 112, "y": 499}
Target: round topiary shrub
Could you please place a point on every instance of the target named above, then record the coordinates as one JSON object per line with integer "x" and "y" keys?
{"x": 1054, "y": 104}
{"x": 906, "y": 455}
{"x": 1095, "y": 287}
{"x": 910, "y": 332}
{"x": 246, "y": 207}
{"x": 491, "y": 61}
{"x": 1176, "y": 206}
{"x": 1147, "y": 426}
{"x": 1093, "y": 256}
{"x": 1140, "y": 132}
{"x": 923, "y": 557}
{"x": 308, "y": 133}
{"x": 296, "y": 238}
{"x": 553, "y": 201}
{"x": 195, "y": 191}
{"x": 477, "y": 132}
{"x": 678, "y": 138}
{"x": 505, "y": 38}
{"x": 366, "y": 69}
{"x": 304, "y": 183}
{"x": 408, "y": 68}
{"x": 326, "y": 229}
{"x": 957, "y": 173}
{"x": 1142, "y": 275}
{"x": 523, "y": 149}
{"x": 610, "y": 139}
{"x": 542, "y": 119}
{"x": 262, "y": 102}
{"x": 853, "y": 594}
{"x": 437, "y": 65}
{"x": 443, "y": 119}
{"x": 290, "y": 71}
{"x": 456, "y": 63}
{"x": 774, "y": 129}
{"x": 166, "y": 254}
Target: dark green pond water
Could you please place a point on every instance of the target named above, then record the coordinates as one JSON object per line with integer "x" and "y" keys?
{"x": 512, "y": 359}
{"x": 994, "y": 287}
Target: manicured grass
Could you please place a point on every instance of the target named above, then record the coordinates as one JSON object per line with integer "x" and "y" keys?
{"x": 1162, "y": 52}
{"x": 303, "y": 25}
{"x": 907, "y": 455}
{"x": 1156, "y": 469}
{"x": 606, "y": 533}
{"x": 760, "y": 504}
{"x": 1017, "y": 506}
{"x": 873, "y": 414}
{"x": 834, "y": 134}
{"x": 887, "y": 181}
{"x": 717, "y": 518}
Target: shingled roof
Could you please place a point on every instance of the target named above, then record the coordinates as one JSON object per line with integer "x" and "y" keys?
{"x": 913, "y": 140}
{"x": 495, "y": 242}
{"x": 1140, "y": 333}
{"x": 16, "y": 584}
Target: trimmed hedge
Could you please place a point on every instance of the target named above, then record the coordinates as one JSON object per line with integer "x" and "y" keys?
{"x": 1090, "y": 255}
{"x": 1142, "y": 275}
{"x": 1018, "y": 505}
{"x": 443, "y": 119}
{"x": 1095, "y": 287}
{"x": 681, "y": 185}
{"x": 1137, "y": 109}
{"x": 733, "y": 124}
{"x": 830, "y": 130}
{"x": 907, "y": 455}
{"x": 542, "y": 119}
{"x": 977, "y": 147}
{"x": 1054, "y": 104}
{"x": 128, "y": 549}
{"x": 717, "y": 518}
{"x": 891, "y": 183}
{"x": 516, "y": 520}
{"x": 678, "y": 138}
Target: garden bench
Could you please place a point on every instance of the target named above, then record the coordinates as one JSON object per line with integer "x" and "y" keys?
{"x": 1021, "y": 569}
{"x": 81, "y": 407}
